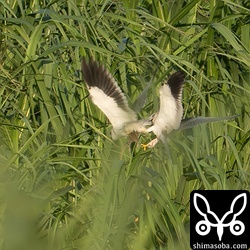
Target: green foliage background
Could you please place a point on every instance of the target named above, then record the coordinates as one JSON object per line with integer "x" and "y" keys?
{"x": 64, "y": 183}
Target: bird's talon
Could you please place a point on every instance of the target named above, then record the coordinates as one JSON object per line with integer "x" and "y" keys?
{"x": 144, "y": 146}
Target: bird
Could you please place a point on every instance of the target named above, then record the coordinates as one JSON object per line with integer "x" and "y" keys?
{"x": 169, "y": 116}
{"x": 108, "y": 96}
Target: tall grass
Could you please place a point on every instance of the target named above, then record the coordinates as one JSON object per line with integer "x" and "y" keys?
{"x": 64, "y": 183}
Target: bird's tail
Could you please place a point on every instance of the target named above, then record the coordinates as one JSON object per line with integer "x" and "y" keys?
{"x": 194, "y": 121}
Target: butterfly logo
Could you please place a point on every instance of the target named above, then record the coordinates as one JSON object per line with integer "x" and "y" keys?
{"x": 203, "y": 227}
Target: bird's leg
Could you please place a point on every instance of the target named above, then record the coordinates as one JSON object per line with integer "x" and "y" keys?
{"x": 150, "y": 144}
{"x": 144, "y": 146}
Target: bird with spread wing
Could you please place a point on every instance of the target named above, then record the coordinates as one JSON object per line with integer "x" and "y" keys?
{"x": 107, "y": 95}
{"x": 170, "y": 114}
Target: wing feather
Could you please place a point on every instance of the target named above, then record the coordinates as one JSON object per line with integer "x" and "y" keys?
{"x": 107, "y": 95}
{"x": 171, "y": 110}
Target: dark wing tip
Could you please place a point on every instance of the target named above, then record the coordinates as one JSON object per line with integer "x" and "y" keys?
{"x": 97, "y": 76}
{"x": 90, "y": 71}
{"x": 176, "y": 82}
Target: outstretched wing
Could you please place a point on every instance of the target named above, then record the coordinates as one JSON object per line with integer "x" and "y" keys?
{"x": 171, "y": 110}
{"x": 107, "y": 95}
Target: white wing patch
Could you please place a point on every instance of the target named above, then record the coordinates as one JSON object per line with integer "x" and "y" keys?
{"x": 169, "y": 116}
{"x": 171, "y": 110}
{"x": 118, "y": 117}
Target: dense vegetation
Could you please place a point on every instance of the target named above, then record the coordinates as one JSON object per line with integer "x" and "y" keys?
{"x": 64, "y": 183}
